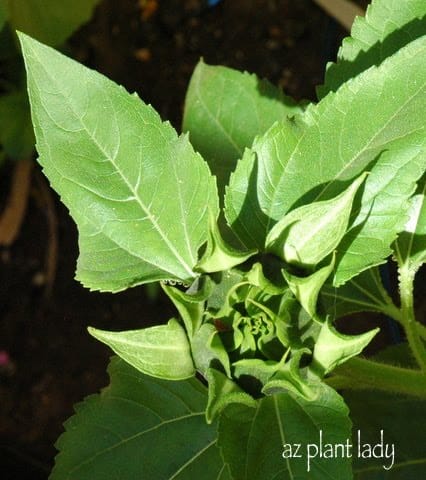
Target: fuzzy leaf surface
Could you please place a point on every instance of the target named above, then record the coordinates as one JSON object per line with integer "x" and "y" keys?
{"x": 162, "y": 351}
{"x": 225, "y": 109}
{"x": 219, "y": 256}
{"x": 333, "y": 348}
{"x": 374, "y": 123}
{"x": 223, "y": 392}
{"x": 49, "y": 21}
{"x": 139, "y": 194}
{"x": 307, "y": 289}
{"x": 252, "y": 440}
{"x": 140, "y": 427}
{"x": 307, "y": 234}
{"x": 207, "y": 347}
{"x": 388, "y": 25}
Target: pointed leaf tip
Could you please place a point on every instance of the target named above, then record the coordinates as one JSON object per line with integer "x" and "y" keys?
{"x": 219, "y": 256}
{"x": 162, "y": 351}
{"x": 307, "y": 234}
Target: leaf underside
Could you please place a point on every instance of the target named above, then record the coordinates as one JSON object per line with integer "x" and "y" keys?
{"x": 162, "y": 351}
{"x": 139, "y": 194}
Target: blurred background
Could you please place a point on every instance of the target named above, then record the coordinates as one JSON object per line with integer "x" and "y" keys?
{"x": 48, "y": 362}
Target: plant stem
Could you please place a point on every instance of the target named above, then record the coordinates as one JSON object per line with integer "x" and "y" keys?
{"x": 392, "y": 311}
{"x": 359, "y": 373}
{"x": 406, "y": 279}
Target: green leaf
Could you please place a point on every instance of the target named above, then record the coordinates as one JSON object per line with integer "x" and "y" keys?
{"x": 223, "y": 392}
{"x": 296, "y": 327}
{"x": 402, "y": 420}
{"x": 307, "y": 289}
{"x": 333, "y": 348}
{"x": 219, "y": 256}
{"x": 226, "y": 282}
{"x": 384, "y": 208}
{"x": 262, "y": 370}
{"x": 207, "y": 347}
{"x": 140, "y": 428}
{"x": 139, "y": 193}
{"x": 364, "y": 293}
{"x": 49, "y": 21}
{"x": 105, "y": 266}
{"x": 410, "y": 246}
{"x": 257, "y": 277}
{"x": 245, "y": 203}
{"x": 162, "y": 351}
{"x": 313, "y": 157}
{"x": 291, "y": 378}
{"x": 225, "y": 109}
{"x": 3, "y": 15}
{"x": 16, "y": 130}
{"x": 306, "y": 235}
{"x": 388, "y": 26}
{"x": 254, "y": 442}
{"x": 191, "y": 304}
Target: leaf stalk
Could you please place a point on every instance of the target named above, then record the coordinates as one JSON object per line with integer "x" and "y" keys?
{"x": 360, "y": 373}
{"x": 408, "y": 319}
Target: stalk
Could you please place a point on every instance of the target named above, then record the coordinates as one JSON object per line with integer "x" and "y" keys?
{"x": 408, "y": 320}
{"x": 360, "y": 373}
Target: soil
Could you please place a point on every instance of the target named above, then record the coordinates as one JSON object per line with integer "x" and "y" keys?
{"x": 53, "y": 362}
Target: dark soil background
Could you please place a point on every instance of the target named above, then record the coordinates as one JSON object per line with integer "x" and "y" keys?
{"x": 54, "y": 363}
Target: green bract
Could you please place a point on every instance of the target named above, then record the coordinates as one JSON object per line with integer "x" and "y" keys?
{"x": 306, "y": 235}
{"x": 259, "y": 260}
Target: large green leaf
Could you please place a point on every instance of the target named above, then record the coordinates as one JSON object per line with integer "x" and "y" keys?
{"x": 384, "y": 207}
{"x": 402, "y": 420}
{"x": 49, "y": 21}
{"x": 225, "y": 109}
{"x": 162, "y": 351}
{"x": 140, "y": 428}
{"x": 374, "y": 122}
{"x": 139, "y": 193}
{"x": 388, "y": 25}
{"x": 255, "y": 441}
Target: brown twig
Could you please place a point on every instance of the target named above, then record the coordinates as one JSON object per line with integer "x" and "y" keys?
{"x": 51, "y": 258}
{"x": 344, "y": 11}
{"x": 16, "y": 204}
